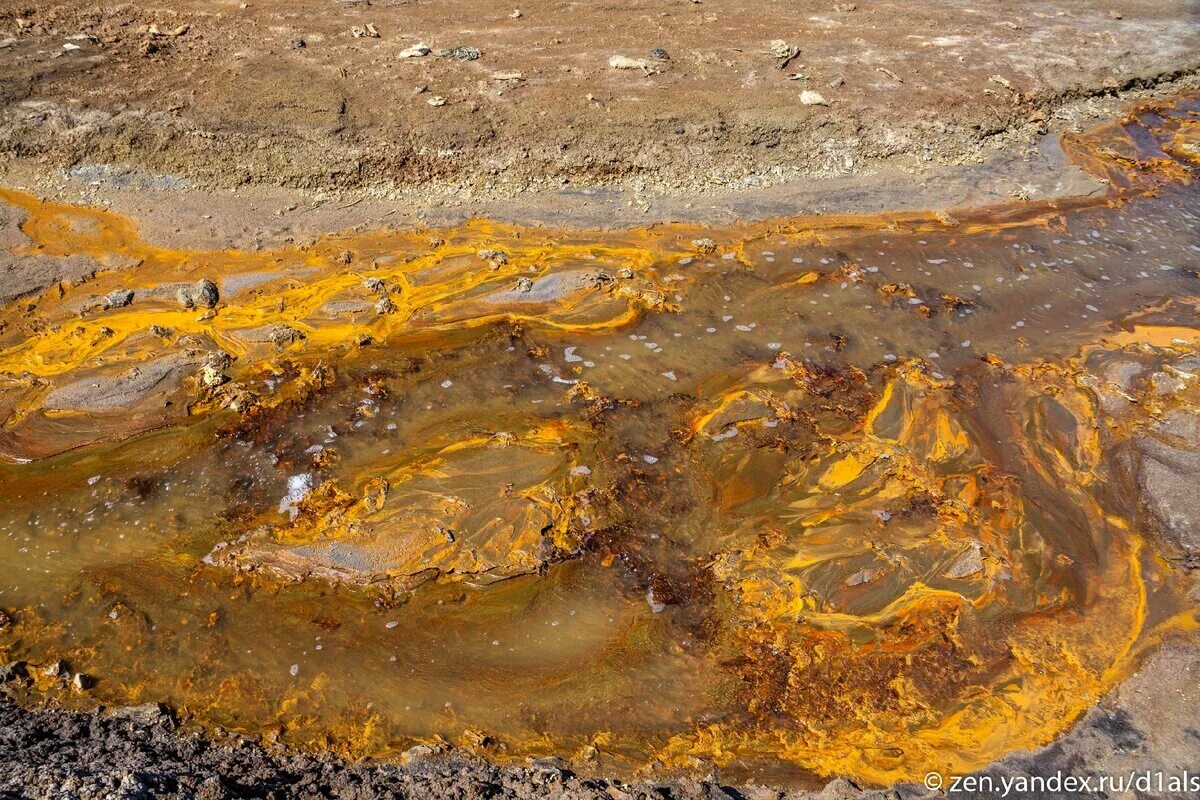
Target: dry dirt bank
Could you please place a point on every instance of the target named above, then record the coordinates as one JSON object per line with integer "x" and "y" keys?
{"x": 280, "y": 93}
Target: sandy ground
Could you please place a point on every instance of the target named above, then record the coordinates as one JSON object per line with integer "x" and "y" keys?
{"x": 283, "y": 93}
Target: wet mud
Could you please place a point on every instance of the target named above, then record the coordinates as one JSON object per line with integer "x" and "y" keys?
{"x": 826, "y": 496}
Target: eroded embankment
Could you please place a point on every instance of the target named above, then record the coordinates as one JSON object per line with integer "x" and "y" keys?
{"x": 861, "y": 496}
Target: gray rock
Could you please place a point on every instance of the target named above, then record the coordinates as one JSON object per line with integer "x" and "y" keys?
{"x": 14, "y": 671}
{"x": 117, "y": 299}
{"x": 59, "y": 669}
{"x": 147, "y": 715}
{"x": 283, "y": 335}
{"x": 109, "y": 392}
{"x": 1168, "y": 462}
{"x": 203, "y": 295}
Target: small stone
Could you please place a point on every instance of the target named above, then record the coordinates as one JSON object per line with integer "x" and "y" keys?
{"x": 117, "y": 299}
{"x": 704, "y": 245}
{"x": 810, "y": 98}
{"x": 625, "y": 62}
{"x": 147, "y": 715}
{"x": 239, "y": 398}
{"x": 385, "y": 306}
{"x": 656, "y": 606}
{"x": 549, "y": 764}
{"x": 968, "y": 563}
{"x": 660, "y": 54}
{"x": 496, "y": 258}
{"x": 14, "y": 671}
{"x": 373, "y": 285}
{"x": 418, "y": 752}
{"x": 212, "y": 371}
{"x": 415, "y": 51}
{"x": 212, "y": 378}
{"x": 171, "y": 33}
{"x": 860, "y": 577}
{"x": 205, "y": 294}
{"x": 283, "y": 335}
{"x": 81, "y": 682}
{"x": 524, "y": 284}
{"x": 59, "y": 669}
{"x": 460, "y": 53}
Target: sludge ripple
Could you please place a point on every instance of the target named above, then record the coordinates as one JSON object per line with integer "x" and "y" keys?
{"x": 864, "y": 496}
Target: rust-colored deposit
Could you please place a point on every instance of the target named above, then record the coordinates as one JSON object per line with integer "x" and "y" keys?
{"x": 863, "y": 496}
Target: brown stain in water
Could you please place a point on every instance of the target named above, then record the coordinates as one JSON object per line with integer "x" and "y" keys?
{"x": 817, "y": 496}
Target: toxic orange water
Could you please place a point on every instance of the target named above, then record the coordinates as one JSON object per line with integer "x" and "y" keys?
{"x": 811, "y": 497}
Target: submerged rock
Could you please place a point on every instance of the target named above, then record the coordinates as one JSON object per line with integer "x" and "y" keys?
{"x": 436, "y": 511}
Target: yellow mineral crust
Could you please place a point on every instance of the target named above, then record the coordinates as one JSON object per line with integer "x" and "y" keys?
{"x": 409, "y": 288}
{"x": 486, "y": 506}
{"x": 908, "y": 601}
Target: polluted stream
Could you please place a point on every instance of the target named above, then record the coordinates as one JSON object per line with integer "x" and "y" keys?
{"x": 861, "y": 496}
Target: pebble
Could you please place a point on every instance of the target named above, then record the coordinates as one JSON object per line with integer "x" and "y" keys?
{"x": 625, "y": 62}
{"x": 117, "y": 299}
{"x": 415, "y": 51}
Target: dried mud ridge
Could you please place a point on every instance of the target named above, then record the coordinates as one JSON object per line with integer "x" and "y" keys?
{"x": 824, "y": 496}
{"x": 285, "y": 94}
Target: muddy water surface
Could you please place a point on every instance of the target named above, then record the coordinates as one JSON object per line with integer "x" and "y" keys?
{"x": 864, "y": 496}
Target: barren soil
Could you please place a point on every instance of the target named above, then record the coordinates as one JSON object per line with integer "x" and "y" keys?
{"x": 283, "y": 93}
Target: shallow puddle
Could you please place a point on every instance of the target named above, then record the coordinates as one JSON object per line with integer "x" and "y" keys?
{"x": 864, "y": 496}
